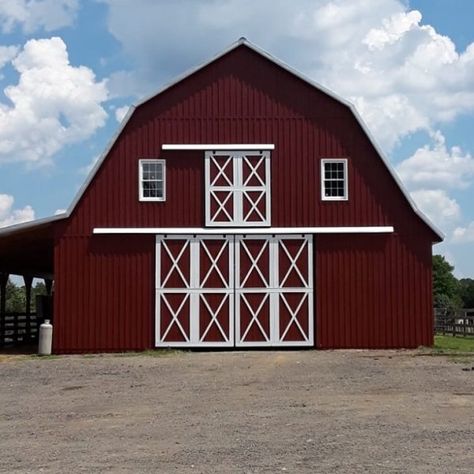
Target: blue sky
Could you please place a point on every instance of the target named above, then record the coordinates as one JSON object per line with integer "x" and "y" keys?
{"x": 70, "y": 69}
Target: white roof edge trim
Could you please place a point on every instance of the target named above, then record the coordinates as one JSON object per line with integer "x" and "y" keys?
{"x": 220, "y": 146}
{"x": 11, "y": 229}
{"x": 244, "y": 230}
{"x": 283, "y": 65}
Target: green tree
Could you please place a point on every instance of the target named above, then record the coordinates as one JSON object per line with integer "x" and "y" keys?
{"x": 445, "y": 285}
{"x": 466, "y": 292}
{"x": 15, "y": 298}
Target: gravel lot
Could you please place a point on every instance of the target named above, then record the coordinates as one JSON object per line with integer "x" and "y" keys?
{"x": 231, "y": 412}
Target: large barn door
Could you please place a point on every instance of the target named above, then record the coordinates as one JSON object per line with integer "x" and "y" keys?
{"x": 194, "y": 291}
{"x": 274, "y": 290}
{"x": 217, "y": 290}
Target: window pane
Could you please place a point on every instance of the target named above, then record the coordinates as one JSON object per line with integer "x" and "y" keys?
{"x": 152, "y": 171}
{"x": 334, "y": 179}
{"x": 152, "y": 179}
{"x": 334, "y": 188}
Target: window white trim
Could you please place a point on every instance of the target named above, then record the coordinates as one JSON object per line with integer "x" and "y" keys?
{"x": 142, "y": 198}
{"x": 215, "y": 146}
{"x": 324, "y": 161}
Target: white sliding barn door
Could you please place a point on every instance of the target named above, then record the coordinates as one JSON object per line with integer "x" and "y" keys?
{"x": 194, "y": 291}
{"x": 274, "y": 291}
{"x": 234, "y": 290}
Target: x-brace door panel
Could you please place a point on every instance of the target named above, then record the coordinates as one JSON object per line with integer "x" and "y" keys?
{"x": 274, "y": 290}
{"x": 194, "y": 291}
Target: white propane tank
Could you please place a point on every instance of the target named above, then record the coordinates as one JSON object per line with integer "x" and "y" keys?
{"x": 45, "y": 338}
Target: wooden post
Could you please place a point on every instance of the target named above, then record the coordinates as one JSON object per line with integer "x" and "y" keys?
{"x": 49, "y": 286}
{"x": 28, "y": 283}
{"x": 3, "y": 304}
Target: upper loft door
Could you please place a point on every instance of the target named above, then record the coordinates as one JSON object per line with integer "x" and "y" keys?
{"x": 237, "y": 187}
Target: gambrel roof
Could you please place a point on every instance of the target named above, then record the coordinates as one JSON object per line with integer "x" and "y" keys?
{"x": 253, "y": 47}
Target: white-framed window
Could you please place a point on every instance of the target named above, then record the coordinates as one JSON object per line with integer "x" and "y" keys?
{"x": 334, "y": 182}
{"x": 151, "y": 180}
{"x": 237, "y": 187}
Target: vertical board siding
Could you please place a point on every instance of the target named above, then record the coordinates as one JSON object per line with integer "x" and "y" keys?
{"x": 105, "y": 294}
{"x": 242, "y": 98}
{"x": 373, "y": 294}
{"x": 103, "y": 298}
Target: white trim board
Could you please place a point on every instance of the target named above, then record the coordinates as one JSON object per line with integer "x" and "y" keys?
{"x": 219, "y": 147}
{"x": 244, "y": 231}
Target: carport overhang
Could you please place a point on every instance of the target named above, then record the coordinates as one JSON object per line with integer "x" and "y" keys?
{"x": 28, "y": 249}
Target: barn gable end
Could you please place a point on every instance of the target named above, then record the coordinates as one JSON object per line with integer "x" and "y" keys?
{"x": 243, "y": 94}
{"x": 271, "y": 219}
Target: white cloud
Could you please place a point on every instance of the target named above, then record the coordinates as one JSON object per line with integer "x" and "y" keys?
{"x": 59, "y": 211}
{"x": 436, "y": 165}
{"x": 392, "y": 29}
{"x": 54, "y": 104}
{"x": 121, "y": 112}
{"x": 438, "y": 206}
{"x": 464, "y": 234}
{"x": 33, "y": 15}
{"x": 10, "y": 216}
{"x": 401, "y": 73}
{"x": 7, "y": 53}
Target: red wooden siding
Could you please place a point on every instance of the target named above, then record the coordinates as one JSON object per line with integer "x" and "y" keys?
{"x": 104, "y": 294}
{"x": 242, "y": 98}
{"x": 373, "y": 292}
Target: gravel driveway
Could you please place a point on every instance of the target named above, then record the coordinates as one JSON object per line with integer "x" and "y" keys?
{"x": 232, "y": 412}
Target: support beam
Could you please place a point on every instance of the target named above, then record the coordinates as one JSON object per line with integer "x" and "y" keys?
{"x": 3, "y": 303}
{"x": 28, "y": 283}
{"x": 48, "y": 283}
{"x": 21, "y": 271}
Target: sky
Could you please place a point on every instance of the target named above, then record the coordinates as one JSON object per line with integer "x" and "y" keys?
{"x": 69, "y": 70}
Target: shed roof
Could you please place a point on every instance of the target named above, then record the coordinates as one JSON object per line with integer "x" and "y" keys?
{"x": 28, "y": 248}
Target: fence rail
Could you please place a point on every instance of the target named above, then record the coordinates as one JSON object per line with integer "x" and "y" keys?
{"x": 18, "y": 328}
{"x": 460, "y": 323}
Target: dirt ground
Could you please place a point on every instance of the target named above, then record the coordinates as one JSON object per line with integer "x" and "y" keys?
{"x": 232, "y": 412}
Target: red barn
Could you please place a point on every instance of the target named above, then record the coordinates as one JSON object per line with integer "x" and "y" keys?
{"x": 241, "y": 206}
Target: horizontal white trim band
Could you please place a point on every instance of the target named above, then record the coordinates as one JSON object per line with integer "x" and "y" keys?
{"x": 244, "y": 231}
{"x": 220, "y": 146}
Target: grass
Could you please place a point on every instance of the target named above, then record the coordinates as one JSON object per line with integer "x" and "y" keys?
{"x": 146, "y": 353}
{"x": 154, "y": 353}
{"x": 457, "y": 349}
{"x": 450, "y": 344}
